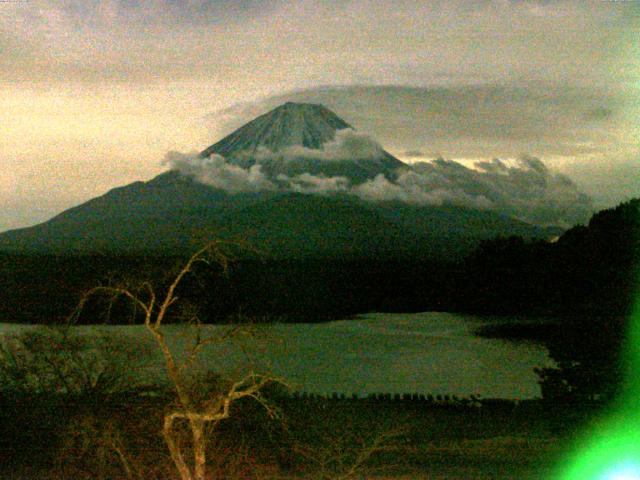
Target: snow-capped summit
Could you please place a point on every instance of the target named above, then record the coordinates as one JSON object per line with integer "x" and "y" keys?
{"x": 302, "y": 124}
{"x": 305, "y": 138}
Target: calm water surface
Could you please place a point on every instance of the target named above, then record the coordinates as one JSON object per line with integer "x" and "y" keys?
{"x": 403, "y": 353}
{"x": 426, "y": 353}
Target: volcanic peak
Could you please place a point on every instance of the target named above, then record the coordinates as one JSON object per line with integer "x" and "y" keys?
{"x": 291, "y": 124}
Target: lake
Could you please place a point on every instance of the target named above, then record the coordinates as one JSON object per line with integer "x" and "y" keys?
{"x": 429, "y": 353}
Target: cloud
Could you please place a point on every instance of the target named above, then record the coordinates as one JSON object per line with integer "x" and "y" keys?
{"x": 469, "y": 121}
{"x": 414, "y": 154}
{"x": 523, "y": 188}
{"x": 309, "y": 42}
{"x": 314, "y": 184}
{"x": 351, "y": 145}
{"x": 347, "y": 145}
{"x": 414, "y": 187}
{"x": 218, "y": 173}
{"x": 599, "y": 113}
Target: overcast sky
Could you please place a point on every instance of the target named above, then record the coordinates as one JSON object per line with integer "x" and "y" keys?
{"x": 95, "y": 92}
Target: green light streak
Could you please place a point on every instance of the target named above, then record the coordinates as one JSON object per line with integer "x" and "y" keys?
{"x": 611, "y": 450}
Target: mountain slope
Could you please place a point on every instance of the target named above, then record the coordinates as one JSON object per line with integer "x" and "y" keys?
{"x": 297, "y": 225}
{"x": 165, "y": 213}
{"x": 172, "y": 213}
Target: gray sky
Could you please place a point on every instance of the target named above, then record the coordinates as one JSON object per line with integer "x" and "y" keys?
{"x": 95, "y": 92}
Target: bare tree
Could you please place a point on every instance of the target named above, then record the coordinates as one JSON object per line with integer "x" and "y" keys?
{"x": 196, "y": 410}
{"x": 344, "y": 455}
{"x": 57, "y": 360}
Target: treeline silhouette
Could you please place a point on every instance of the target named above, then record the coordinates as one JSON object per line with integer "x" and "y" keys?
{"x": 590, "y": 270}
{"x": 587, "y": 280}
{"x": 45, "y": 289}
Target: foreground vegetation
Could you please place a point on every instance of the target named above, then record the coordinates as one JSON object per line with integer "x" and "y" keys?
{"x": 71, "y": 407}
{"x": 117, "y": 436}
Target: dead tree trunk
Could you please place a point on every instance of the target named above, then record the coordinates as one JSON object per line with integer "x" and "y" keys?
{"x": 195, "y": 412}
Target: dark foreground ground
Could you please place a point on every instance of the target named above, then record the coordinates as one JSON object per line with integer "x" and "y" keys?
{"x": 321, "y": 438}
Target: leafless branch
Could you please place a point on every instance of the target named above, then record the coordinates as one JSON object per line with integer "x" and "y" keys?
{"x": 189, "y": 408}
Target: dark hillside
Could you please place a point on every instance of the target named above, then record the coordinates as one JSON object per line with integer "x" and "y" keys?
{"x": 589, "y": 279}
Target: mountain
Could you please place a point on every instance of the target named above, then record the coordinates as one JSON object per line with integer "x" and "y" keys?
{"x": 298, "y": 138}
{"x": 175, "y": 212}
{"x": 300, "y": 124}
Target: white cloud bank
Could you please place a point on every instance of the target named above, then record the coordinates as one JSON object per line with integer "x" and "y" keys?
{"x": 218, "y": 173}
{"x": 588, "y": 133}
{"x": 523, "y": 188}
{"x": 346, "y": 145}
{"x": 315, "y": 184}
